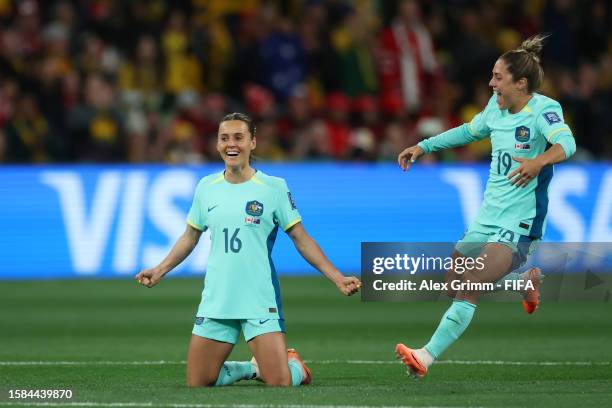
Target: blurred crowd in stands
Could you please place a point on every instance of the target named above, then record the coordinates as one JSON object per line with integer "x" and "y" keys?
{"x": 148, "y": 80}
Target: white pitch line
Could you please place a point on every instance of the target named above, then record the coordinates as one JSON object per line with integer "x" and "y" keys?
{"x": 526, "y": 363}
{"x": 153, "y": 405}
{"x": 476, "y": 362}
{"x": 356, "y": 362}
{"x": 88, "y": 363}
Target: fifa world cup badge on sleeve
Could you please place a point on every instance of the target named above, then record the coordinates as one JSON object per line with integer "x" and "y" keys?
{"x": 293, "y": 206}
{"x": 551, "y": 117}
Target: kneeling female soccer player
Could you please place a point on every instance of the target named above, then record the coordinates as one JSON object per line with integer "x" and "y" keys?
{"x": 243, "y": 209}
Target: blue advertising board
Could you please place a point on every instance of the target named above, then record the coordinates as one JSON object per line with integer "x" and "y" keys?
{"x": 110, "y": 221}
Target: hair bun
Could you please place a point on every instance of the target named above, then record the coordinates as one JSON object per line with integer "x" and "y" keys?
{"x": 533, "y": 45}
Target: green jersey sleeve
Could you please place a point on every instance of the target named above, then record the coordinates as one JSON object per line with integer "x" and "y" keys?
{"x": 551, "y": 125}
{"x": 196, "y": 217}
{"x": 477, "y": 129}
{"x": 454, "y": 137}
{"x": 286, "y": 213}
{"x": 478, "y": 126}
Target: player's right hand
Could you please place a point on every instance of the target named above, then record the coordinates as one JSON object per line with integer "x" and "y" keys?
{"x": 348, "y": 285}
{"x": 409, "y": 156}
{"x": 149, "y": 277}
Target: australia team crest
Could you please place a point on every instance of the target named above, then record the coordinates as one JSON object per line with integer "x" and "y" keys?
{"x": 522, "y": 134}
{"x": 254, "y": 208}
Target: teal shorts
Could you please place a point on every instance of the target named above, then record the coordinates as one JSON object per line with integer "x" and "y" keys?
{"x": 478, "y": 235}
{"x": 228, "y": 330}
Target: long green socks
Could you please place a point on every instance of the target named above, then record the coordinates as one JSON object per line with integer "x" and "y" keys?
{"x": 454, "y": 322}
{"x": 296, "y": 373}
{"x": 233, "y": 371}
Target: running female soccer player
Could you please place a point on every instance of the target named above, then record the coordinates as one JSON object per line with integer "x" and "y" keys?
{"x": 243, "y": 209}
{"x": 528, "y": 135}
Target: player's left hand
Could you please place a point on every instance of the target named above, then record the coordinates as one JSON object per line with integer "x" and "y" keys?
{"x": 527, "y": 171}
{"x": 348, "y": 285}
{"x": 149, "y": 277}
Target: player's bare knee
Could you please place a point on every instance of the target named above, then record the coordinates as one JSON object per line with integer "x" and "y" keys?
{"x": 278, "y": 380}
{"x": 198, "y": 385}
{"x": 205, "y": 380}
{"x": 451, "y": 277}
{"x": 279, "y": 384}
{"x": 469, "y": 296}
{"x": 451, "y": 290}
{"x": 472, "y": 277}
{"x": 200, "y": 382}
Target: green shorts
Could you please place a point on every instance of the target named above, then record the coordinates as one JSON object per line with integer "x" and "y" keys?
{"x": 478, "y": 235}
{"x": 228, "y": 330}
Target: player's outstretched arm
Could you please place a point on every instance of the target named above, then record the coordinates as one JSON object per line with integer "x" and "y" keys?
{"x": 312, "y": 253}
{"x": 181, "y": 249}
{"x": 455, "y": 137}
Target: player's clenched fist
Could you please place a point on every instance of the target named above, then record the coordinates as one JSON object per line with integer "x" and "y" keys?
{"x": 348, "y": 285}
{"x": 149, "y": 277}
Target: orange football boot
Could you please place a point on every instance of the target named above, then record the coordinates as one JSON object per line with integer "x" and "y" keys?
{"x": 406, "y": 354}
{"x": 531, "y": 297}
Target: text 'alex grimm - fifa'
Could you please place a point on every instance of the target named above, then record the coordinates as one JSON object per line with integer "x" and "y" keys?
{"x": 457, "y": 285}
{"x": 408, "y": 264}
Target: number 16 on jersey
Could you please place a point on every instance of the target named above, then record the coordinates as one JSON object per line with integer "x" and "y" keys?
{"x": 234, "y": 243}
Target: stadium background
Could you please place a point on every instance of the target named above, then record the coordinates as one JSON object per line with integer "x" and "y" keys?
{"x": 337, "y": 88}
{"x": 108, "y": 117}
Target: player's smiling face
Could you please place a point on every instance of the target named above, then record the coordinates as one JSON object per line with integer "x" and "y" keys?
{"x": 235, "y": 143}
{"x": 507, "y": 91}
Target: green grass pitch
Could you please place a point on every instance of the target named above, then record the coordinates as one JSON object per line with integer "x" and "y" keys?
{"x": 110, "y": 327}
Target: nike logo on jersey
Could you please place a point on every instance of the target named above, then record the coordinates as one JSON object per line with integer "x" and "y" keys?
{"x": 212, "y": 208}
{"x": 263, "y": 321}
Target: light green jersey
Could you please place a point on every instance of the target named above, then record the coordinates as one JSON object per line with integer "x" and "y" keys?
{"x": 525, "y": 134}
{"x": 243, "y": 220}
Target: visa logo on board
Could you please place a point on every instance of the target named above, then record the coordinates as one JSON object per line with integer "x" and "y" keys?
{"x": 121, "y": 220}
{"x": 122, "y": 202}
